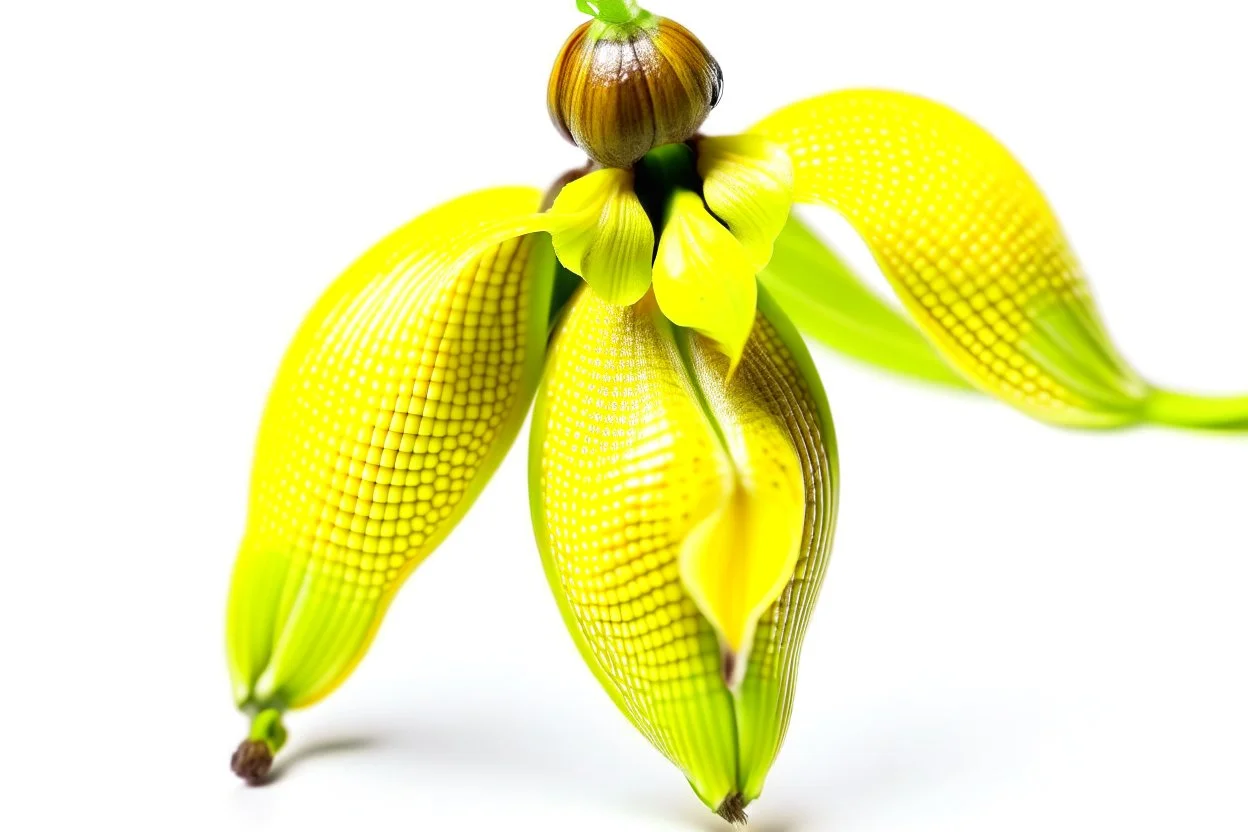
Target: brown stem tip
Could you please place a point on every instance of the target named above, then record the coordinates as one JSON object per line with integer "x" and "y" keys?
{"x": 733, "y": 810}
{"x": 252, "y": 762}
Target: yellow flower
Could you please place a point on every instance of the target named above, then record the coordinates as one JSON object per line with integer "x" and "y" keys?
{"x": 683, "y": 460}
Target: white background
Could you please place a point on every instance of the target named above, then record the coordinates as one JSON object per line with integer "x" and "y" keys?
{"x": 1022, "y": 629}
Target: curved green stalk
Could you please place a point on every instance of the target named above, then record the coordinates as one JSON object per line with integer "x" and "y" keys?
{"x": 827, "y": 300}
{"x": 1200, "y": 412}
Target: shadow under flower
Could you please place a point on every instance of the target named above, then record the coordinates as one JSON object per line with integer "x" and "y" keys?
{"x": 844, "y": 771}
{"x": 330, "y": 747}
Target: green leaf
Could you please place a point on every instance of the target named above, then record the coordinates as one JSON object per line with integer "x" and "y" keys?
{"x": 826, "y": 300}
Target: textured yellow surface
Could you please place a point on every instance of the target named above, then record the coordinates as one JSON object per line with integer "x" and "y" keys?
{"x": 632, "y": 447}
{"x": 396, "y": 400}
{"x": 969, "y": 243}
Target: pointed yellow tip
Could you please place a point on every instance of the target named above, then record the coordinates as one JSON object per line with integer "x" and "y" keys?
{"x": 736, "y": 562}
{"x": 734, "y": 361}
{"x": 702, "y": 277}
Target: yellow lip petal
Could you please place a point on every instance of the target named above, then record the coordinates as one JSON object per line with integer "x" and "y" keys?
{"x": 737, "y": 560}
{"x": 602, "y": 233}
{"x": 748, "y": 182}
{"x": 702, "y": 277}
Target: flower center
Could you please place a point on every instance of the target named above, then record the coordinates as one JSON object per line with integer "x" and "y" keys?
{"x": 693, "y": 222}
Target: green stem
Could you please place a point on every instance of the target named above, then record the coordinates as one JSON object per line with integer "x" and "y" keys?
{"x": 611, "y": 11}
{"x": 267, "y": 726}
{"x": 1205, "y": 412}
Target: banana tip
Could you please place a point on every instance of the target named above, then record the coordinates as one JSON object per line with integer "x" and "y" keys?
{"x": 733, "y": 810}
{"x": 252, "y": 761}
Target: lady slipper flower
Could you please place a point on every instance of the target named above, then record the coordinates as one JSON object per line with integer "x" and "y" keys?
{"x": 683, "y": 459}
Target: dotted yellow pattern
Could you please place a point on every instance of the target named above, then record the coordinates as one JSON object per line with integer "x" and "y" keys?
{"x": 389, "y": 417}
{"x": 388, "y": 409}
{"x": 629, "y": 465}
{"x": 968, "y": 241}
{"x": 770, "y": 387}
{"x": 627, "y": 462}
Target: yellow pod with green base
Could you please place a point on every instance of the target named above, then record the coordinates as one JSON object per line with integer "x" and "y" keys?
{"x": 400, "y": 394}
{"x": 685, "y": 519}
{"x": 977, "y": 257}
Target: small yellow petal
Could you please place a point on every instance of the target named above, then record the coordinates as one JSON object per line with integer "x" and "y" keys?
{"x": 702, "y": 277}
{"x": 748, "y": 182}
{"x": 736, "y": 562}
{"x": 601, "y": 232}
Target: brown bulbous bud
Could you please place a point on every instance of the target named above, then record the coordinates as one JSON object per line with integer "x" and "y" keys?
{"x": 619, "y": 89}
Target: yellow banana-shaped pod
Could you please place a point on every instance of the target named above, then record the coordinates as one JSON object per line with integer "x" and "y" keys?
{"x": 976, "y": 256}
{"x": 685, "y": 520}
{"x": 401, "y": 392}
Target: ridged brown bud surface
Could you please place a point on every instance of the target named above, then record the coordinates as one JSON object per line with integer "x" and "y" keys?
{"x": 619, "y": 89}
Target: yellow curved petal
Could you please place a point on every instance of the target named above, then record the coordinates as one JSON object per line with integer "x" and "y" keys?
{"x": 602, "y": 233}
{"x": 969, "y": 243}
{"x": 641, "y": 448}
{"x": 748, "y": 182}
{"x": 702, "y": 277}
{"x": 399, "y": 395}
{"x": 737, "y": 560}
